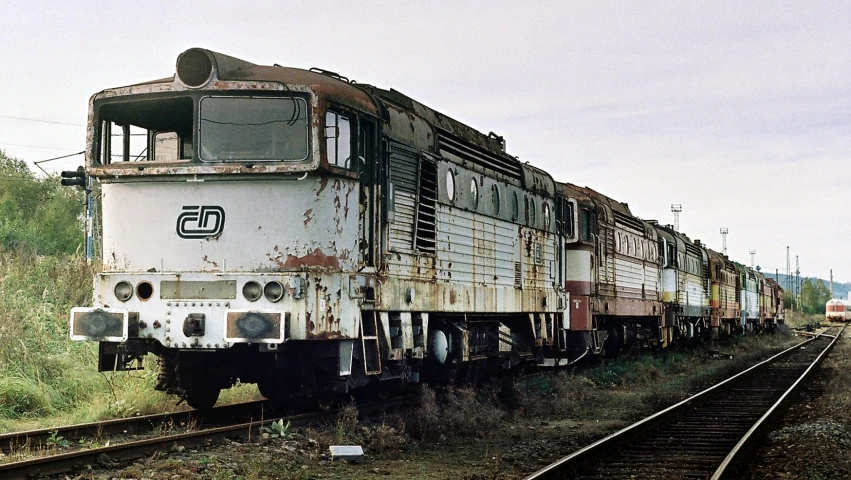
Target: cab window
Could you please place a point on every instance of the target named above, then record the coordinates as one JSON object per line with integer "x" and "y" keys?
{"x": 338, "y": 140}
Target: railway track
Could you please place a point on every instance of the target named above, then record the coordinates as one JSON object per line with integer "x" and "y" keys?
{"x": 20, "y": 443}
{"x": 704, "y": 436}
{"x": 231, "y": 422}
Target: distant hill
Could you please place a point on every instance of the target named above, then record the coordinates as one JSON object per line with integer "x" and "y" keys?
{"x": 840, "y": 290}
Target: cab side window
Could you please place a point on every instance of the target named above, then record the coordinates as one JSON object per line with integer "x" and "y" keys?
{"x": 338, "y": 140}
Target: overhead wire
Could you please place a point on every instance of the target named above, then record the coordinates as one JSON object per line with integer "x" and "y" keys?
{"x": 28, "y": 119}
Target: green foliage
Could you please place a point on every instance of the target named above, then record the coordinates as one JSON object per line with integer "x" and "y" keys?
{"x": 277, "y": 429}
{"x": 57, "y": 441}
{"x": 38, "y": 214}
{"x": 814, "y": 296}
{"x": 41, "y": 370}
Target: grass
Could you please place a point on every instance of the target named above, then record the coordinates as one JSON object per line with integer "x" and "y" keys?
{"x": 45, "y": 378}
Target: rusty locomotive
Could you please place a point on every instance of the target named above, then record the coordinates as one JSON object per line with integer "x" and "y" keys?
{"x": 316, "y": 236}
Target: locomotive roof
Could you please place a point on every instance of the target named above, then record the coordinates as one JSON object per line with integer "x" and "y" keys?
{"x": 361, "y": 97}
{"x": 589, "y": 195}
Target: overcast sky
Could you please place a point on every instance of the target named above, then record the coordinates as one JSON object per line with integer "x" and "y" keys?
{"x": 739, "y": 111}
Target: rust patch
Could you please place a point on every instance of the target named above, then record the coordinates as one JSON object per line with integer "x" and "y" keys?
{"x": 308, "y": 216}
{"x": 323, "y": 182}
{"x": 211, "y": 262}
{"x": 313, "y": 259}
{"x": 325, "y": 335}
{"x": 452, "y": 297}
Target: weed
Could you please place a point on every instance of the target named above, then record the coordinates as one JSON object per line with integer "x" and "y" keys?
{"x": 57, "y": 441}
{"x": 278, "y": 429}
{"x": 453, "y": 411}
{"x": 345, "y": 428}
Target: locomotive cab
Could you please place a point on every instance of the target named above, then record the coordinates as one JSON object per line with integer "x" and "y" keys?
{"x": 204, "y": 178}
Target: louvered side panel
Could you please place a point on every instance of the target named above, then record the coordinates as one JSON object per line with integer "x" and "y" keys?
{"x": 403, "y": 169}
{"x": 636, "y": 278}
{"x": 607, "y": 267}
{"x": 693, "y": 293}
{"x": 652, "y": 284}
{"x": 401, "y": 230}
{"x": 474, "y": 248}
{"x": 630, "y": 277}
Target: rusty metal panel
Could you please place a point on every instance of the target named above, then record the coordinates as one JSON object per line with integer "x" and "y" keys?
{"x": 202, "y": 290}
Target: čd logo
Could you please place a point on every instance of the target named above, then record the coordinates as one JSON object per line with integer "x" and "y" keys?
{"x": 203, "y": 221}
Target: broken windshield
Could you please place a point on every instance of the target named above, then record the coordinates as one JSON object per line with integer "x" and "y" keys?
{"x": 238, "y": 129}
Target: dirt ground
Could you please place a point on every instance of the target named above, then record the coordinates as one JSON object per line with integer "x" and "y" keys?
{"x": 460, "y": 435}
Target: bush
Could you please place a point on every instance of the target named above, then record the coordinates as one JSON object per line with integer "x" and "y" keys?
{"x": 453, "y": 411}
{"x": 38, "y": 214}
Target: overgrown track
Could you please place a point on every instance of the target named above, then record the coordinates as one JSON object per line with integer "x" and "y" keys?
{"x": 45, "y": 439}
{"x": 705, "y": 435}
{"x": 111, "y": 456}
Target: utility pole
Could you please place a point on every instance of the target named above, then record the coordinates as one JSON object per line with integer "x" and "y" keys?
{"x": 724, "y": 232}
{"x": 831, "y": 284}
{"x": 798, "y": 283}
{"x": 789, "y": 278}
{"x": 676, "y": 208}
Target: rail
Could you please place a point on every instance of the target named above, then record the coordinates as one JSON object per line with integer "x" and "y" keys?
{"x": 703, "y": 435}
{"x": 77, "y": 460}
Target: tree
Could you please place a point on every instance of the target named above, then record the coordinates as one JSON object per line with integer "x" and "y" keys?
{"x": 814, "y": 296}
{"x": 38, "y": 214}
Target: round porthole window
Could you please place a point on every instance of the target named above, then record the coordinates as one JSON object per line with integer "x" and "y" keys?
{"x": 474, "y": 193}
{"x": 450, "y": 185}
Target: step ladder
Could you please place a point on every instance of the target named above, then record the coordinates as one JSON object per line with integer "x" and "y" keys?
{"x": 370, "y": 343}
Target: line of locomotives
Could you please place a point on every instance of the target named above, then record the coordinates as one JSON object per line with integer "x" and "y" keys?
{"x": 315, "y": 236}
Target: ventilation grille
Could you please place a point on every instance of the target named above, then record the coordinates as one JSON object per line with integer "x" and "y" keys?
{"x": 627, "y": 222}
{"x": 478, "y": 156}
{"x": 518, "y": 275}
{"x": 425, "y": 230}
{"x": 694, "y": 250}
{"x": 403, "y": 168}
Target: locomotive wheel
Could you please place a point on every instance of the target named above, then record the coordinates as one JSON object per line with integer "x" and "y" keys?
{"x": 203, "y": 397}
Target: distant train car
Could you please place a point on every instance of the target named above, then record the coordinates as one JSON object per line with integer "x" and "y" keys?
{"x": 724, "y": 298}
{"x": 838, "y": 310}
{"x": 685, "y": 283}
{"x": 612, "y": 273}
{"x": 774, "y": 313}
{"x": 749, "y": 298}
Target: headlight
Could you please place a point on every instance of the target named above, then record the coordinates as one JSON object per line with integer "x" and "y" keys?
{"x": 252, "y": 291}
{"x": 273, "y": 291}
{"x": 123, "y": 291}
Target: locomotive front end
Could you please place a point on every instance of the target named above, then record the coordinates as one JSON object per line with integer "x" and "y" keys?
{"x": 223, "y": 232}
